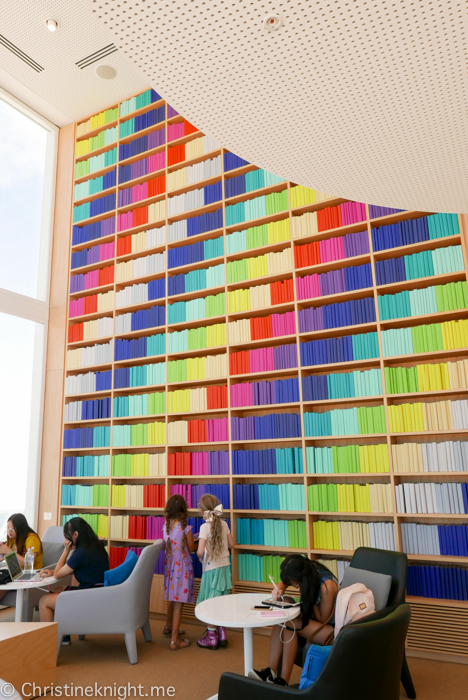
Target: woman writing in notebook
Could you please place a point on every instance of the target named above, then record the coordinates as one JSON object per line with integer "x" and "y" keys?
{"x": 20, "y": 538}
{"x": 318, "y": 589}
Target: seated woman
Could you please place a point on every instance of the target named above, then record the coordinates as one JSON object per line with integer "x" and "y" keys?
{"x": 20, "y": 538}
{"x": 88, "y": 562}
{"x": 319, "y": 589}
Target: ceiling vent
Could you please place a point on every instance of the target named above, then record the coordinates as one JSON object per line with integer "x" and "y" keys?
{"x": 97, "y": 56}
{"x": 21, "y": 55}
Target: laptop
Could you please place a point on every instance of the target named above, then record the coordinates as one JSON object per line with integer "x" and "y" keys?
{"x": 16, "y": 572}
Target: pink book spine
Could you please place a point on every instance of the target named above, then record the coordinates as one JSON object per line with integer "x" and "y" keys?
{"x": 194, "y": 463}
{"x": 270, "y": 359}
{"x": 205, "y": 462}
{"x": 325, "y": 251}
{"x": 248, "y": 400}
{"x": 224, "y": 429}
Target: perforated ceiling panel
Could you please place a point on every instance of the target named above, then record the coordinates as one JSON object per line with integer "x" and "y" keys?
{"x": 75, "y": 92}
{"x": 366, "y": 99}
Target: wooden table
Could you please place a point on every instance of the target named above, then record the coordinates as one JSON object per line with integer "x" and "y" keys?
{"x": 28, "y": 651}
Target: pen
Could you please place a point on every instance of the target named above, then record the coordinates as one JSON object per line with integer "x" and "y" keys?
{"x": 275, "y": 586}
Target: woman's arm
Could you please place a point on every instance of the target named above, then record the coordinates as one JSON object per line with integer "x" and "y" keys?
{"x": 192, "y": 547}
{"x": 61, "y": 568}
{"x": 328, "y": 593}
{"x": 201, "y": 549}
{"x": 230, "y": 541}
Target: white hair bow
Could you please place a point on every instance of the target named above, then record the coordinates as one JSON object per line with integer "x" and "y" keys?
{"x": 209, "y": 515}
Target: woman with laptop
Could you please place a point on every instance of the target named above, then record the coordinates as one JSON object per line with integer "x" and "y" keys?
{"x": 20, "y": 538}
{"x": 87, "y": 562}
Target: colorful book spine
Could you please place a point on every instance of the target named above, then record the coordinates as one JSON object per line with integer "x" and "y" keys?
{"x": 86, "y": 465}
{"x": 343, "y": 385}
{"x": 272, "y": 533}
{"x": 364, "y": 346}
{"x": 350, "y": 498}
{"x": 448, "y": 498}
{"x": 348, "y": 536}
{"x": 439, "y": 540}
{"x": 273, "y": 426}
{"x": 346, "y": 279}
{"x": 348, "y": 459}
{"x": 269, "y": 497}
{"x": 140, "y": 375}
{"x": 139, "y": 464}
{"x": 443, "y": 582}
{"x": 263, "y": 359}
{"x": 426, "y": 228}
{"x": 183, "y": 432}
{"x": 263, "y": 393}
{"x": 417, "y": 302}
{"x": 347, "y": 313}
{"x": 362, "y": 420}
{"x": 79, "y": 438}
{"x": 91, "y": 256}
{"x": 139, "y": 434}
{"x": 214, "y": 463}
{"x": 147, "y": 346}
{"x": 447, "y": 456}
{"x": 431, "y": 416}
{"x": 285, "y": 460}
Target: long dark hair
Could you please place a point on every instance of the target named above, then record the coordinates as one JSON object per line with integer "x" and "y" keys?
{"x": 23, "y": 529}
{"x": 298, "y": 569}
{"x": 86, "y": 536}
{"x": 175, "y": 510}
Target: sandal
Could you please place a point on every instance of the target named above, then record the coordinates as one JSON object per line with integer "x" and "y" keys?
{"x": 167, "y": 631}
{"x": 181, "y": 644}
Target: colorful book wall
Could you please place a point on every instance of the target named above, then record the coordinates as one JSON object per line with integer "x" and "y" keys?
{"x": 91, "y": 256}
{"x": 143, "y": 240}
{"x": 140, "y": 293}
{"x": 348, "y": 459}
{"x": 266, "y": 205}
{"x": 196, "y": 400}
{"x": 426, "y": 228}
{"x": 144, "y": 100}
{"x": 136, "y": 527}
{"x": 427, "y": 377}
{"x": 430, "y": 416}
{"x": 302, "y": 196}
{"x": 261, "y": 296}
{"x": 96, "y": 496}
{"x": 96, "y": 278}
{"x": 193, "y": 173}
{"x": 443, "y": 582}
{"x": 92, "y": 165}
{"x": 196, "y": 280}
{"x": 88, "y": 383}
{"x": 136, "y": 146}
{"x": 350, "y": 498}
{"x": 438, "y": 540}
{"x": 147, "y": 346}
{"x": 263, "y": 359}
{"x": 269, "y": 497}
{"x": 258, "y": 328}
{"x": 259, "y": 568}
{"x": 139, "y": 464}
{"x": 96, "y": 207}
{"x": 140, "y": 320}
{"x": 79, "y": 438}
{"x": 144, "y": 166}
{"x": 416, "y": 457}
{"x": 362, "y": 346}
{"x": 260, "y": 266}
{"x": 272, "y": 533}
{"x": 195, "y": 309}
{"x": 328, "y": 219}
{"x": 361, "y": 420}
{"x": 210, "y": 367}
{"x": 273, "y": 426}
{"x": 430, "y": 497}
{"x": 231, "y": 162}
{"x": 140, "y": 375}
{"x": 90, "y": 330}
{"x": 139, "y": 405}
{"x": 348, "y": 536}
{"x": 104, "y": 138}
{"x": 137, "y": 496}
{"x": 342, "y": 385}
{"x": 86, "y": 465}
{"x": 376, "y": 211}
{"x": 98, "y": 354}
{"x": 347, "y": 313}
{"x": 253, "y": 180}
{"x": 195, "y": 252}
{"x": 417, "y": 302}
{"x": 258, "y": 236}
{"x": 262, "y": 393}
{"x": 96, "y": 409}
{"x": 95, "y": 185}
{"x": 142, "y": 121}
{"x": 193, "y": 492}
{"x": 197, "y": 338}
{"x": 198, "y": 463}
{"x": 184, "y": 432}
{"x": 179, "y": 130}
{"x": 178, "y": 204}
{"x": 427, "y": 263}
{"x": 194, "y": 225}
{"x": 137, "y": 193}
{"x": 285, "y": 460}
{"x": 330, "y": 249}
{"x": 190, "y": 150}
{"x": 449, "y": 335}
{"x": 98, "y": 120}
{"x": 139, "y": 434}
{"x": 347, "y": 279}
{"x": 91, "y": 304}
{"x": 91, "y": 232}
{"x": 142, "y": 215}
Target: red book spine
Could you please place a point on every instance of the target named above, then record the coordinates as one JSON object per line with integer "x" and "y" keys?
{"x": 171, "y": 463}
{"x": 189, "y": 128}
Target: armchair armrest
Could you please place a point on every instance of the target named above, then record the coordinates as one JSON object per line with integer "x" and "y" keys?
{"x": 232, "y": 687}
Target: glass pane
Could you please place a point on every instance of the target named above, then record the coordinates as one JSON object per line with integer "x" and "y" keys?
{"x": 23, "y": 145}
{"x": 21, "y": 351}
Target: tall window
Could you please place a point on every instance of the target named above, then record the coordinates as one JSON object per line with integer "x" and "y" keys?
{"x": 27, "y": 180}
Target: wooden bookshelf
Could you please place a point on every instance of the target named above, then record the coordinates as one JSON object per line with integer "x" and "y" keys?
{"x": 385, "y": 399}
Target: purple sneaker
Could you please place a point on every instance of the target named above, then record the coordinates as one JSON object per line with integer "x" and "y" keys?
{"x": 222, "y": 639}
{"x": 209, "y": 641}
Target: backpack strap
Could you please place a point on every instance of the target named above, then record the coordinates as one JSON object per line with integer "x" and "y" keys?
{"x": 330, "y": 637}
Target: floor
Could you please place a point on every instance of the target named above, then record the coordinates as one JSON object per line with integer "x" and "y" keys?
{"x": 194, "y": 672}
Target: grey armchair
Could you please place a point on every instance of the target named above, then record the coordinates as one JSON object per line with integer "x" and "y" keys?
{"x": 52, "y": 548}
{"x": 121, "y": 609}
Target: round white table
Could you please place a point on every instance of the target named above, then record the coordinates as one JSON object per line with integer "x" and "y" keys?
{"x": 21, "y": 586}
{"x": 236, "y": 611}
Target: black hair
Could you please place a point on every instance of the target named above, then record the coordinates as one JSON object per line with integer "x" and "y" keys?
{"x": 23, "y": 529}
{"x": 297, "y": 568}
{"x": 86, "y": 535}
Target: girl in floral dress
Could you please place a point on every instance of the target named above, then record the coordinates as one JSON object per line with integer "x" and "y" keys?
{"x": 178, "y": 568}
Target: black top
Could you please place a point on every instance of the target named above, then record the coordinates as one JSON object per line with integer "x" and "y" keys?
{"x": 89, "y": 565}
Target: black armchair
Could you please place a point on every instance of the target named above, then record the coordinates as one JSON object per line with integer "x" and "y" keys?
{"x": 380, "y": 561}
{"x": 364, "y": 663}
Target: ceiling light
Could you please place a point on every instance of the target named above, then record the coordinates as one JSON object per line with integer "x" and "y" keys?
{"x": 106, "y": 72}
{"x": 51, "y": 25}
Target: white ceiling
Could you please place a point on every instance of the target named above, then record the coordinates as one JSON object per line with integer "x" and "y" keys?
{"x": 62, "y": 92}
{"x": 366, "y": 99}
